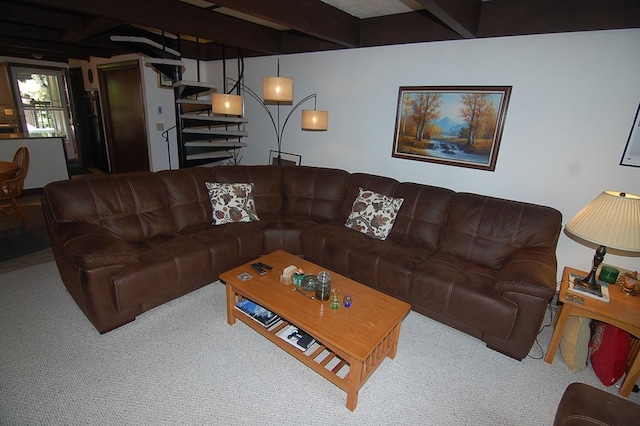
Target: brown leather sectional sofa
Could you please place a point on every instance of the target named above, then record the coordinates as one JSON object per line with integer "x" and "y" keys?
{"x": 126, "y": 243}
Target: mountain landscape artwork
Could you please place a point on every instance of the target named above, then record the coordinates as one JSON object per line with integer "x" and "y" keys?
{"x": 459, "y": 125}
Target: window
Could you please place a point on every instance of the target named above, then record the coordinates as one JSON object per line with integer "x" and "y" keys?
{"x": 42, "y": 103}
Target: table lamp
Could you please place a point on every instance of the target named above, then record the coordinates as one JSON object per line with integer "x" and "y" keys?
{"x": 612, "y": 220}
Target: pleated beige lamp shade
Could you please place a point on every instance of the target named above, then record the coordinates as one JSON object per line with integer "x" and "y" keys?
{"x": 278, "y": 89}
{"x": 227, "y": 104}
{"x": 612, "y": 220}
{"x": 315, "y": 120}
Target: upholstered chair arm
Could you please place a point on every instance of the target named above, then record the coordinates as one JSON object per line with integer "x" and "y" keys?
{"x": 89, "y": 246}
{"x": 530, "y": 271}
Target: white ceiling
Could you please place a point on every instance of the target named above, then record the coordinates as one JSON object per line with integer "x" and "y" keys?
{"x": 371, "y": 8}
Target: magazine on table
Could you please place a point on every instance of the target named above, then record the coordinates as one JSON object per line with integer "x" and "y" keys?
{"x": 257, "y": 312}
{"x": 577, "y": 289}
{"x": 296, "y": 337}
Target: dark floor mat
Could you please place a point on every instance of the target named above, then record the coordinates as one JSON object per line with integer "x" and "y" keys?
{"x": 16, "y": 243}
{"x": 17, "y": 240}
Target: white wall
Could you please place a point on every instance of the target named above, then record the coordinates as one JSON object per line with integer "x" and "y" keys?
{"x": 47, "y": 162}
{"x": 572, "y": 105}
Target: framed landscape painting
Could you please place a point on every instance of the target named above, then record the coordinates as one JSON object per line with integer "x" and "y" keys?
{"x": 457, "y": 125}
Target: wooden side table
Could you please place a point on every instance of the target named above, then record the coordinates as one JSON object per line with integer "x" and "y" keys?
{"x": 622, "y": 311}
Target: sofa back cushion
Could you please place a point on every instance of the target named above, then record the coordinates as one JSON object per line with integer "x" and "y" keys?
{"x": 187, "y": 195}
{"x": 131, "y": 206}
{"x": 423, "y": 214}
{"x": 486, "y": 230}
{"x": 313, "y": 191}
{"x": 267, "y": 185}
{"x": 380, "y": 184}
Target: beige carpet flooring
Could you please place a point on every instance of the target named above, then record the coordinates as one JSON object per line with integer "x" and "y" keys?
{"x": 181, "y": 363}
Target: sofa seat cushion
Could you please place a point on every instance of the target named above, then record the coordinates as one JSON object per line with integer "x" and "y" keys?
{"x": 330, "y": 244}
{"x": 386, "y": 266}
{"x": 284, "y": 232}
{"x": 230, "y": 245}
{"x": 165, "y": 262}
{"x": 463, "y": 292}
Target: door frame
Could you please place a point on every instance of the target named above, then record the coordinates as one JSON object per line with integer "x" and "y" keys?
{"x": 106, "y": 110}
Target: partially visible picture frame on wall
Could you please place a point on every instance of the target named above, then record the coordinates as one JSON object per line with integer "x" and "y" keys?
{"x": 452, "y": 125}
{"x": 286, "y": 159}
{"x": 631, "y": 154}
{"x": 164, "y": 81}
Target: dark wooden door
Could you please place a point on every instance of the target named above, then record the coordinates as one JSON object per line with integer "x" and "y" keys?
{"x": 124, "y": 117}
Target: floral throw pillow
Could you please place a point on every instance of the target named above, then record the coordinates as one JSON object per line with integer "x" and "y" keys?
{"x": 232, "y": 202}
{"x": 374, "y": 214}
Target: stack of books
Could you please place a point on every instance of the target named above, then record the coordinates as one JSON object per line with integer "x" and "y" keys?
{"x": 257, "y": 313}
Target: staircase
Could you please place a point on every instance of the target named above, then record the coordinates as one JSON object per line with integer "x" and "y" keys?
{"x": 203, "y": 137}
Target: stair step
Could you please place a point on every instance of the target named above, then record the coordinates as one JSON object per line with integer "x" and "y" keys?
{"x": 212, "y": 155}
{"x": 194, "y": 105}
{"x": 146, "y": 41}
{"x": 160, "y": 61}
{"x": 197, "y": 119}
{"x": 206, "y": 162}
{"x": 216, "y": 144}
{"x": 216, "y": 132}
{"x": 191, "y": 88}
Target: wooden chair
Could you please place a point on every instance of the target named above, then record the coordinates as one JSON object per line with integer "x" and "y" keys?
{"x": 11, "y": 189}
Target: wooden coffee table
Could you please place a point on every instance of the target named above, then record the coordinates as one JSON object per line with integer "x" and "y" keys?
{"x": 356, "y": 339}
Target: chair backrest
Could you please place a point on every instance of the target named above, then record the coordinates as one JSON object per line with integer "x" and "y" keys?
{"x": 21, "y": 159}
{"x": 12, "y": 188}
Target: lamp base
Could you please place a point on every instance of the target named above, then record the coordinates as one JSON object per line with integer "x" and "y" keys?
{"x": 587, "y": 287}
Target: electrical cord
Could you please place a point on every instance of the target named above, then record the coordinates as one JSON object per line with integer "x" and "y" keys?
{"x": 550, "y": 309}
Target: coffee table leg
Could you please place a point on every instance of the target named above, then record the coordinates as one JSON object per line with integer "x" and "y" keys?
{"x": 231, "y": 302}
{"x": 355, "y": 373}
{"x": 394, "y": 335}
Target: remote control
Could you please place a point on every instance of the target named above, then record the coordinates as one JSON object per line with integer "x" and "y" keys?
{"x": 258, "y": 268}
{"x": 265, "y": 266}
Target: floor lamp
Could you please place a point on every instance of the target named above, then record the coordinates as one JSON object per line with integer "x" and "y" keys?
{"x": 278, "y": 90}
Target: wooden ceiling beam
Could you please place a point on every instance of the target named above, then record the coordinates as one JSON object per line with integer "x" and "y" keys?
{"x": 93, "y": 26}
{"x": 411, "y": 27}
{"x": 178, "y": 18}
{"x": 311, "y": 17}
{"x": 53, "y": 46}
{"x": 522, "y": 17}
{"x": 462, "y": 16}
{"x": 37, "y": 16}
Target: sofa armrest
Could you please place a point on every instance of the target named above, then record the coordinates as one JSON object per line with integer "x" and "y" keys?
{"x": 89, "y": 246}
{"x": 530, "y": 271}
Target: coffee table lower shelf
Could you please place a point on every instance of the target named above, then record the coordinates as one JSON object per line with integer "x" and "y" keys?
{"x": 344, "y": 371}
